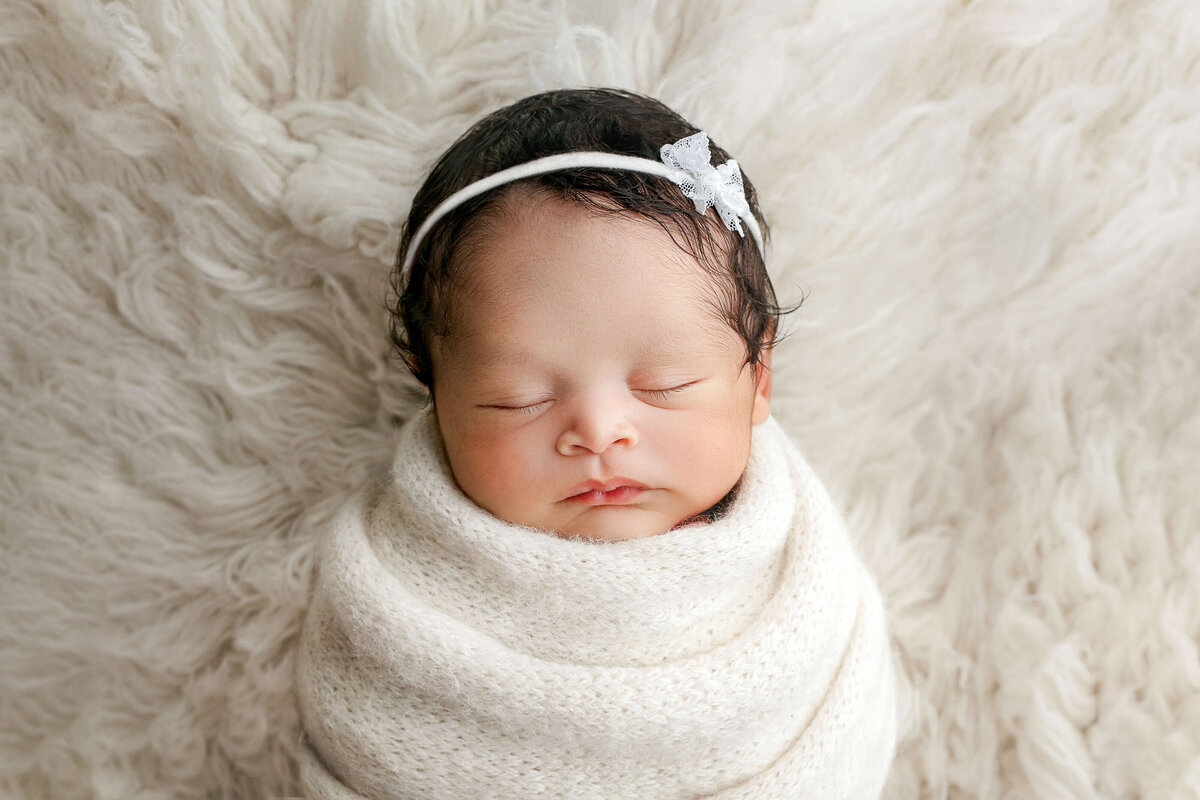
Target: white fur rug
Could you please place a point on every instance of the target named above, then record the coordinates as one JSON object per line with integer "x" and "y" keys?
{"x": 992, "y": 206}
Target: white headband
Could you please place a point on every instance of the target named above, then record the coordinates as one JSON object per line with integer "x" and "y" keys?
{"x": 687, "y": 163}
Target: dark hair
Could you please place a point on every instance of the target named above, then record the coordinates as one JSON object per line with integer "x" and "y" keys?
{"x": 560, "y": 121}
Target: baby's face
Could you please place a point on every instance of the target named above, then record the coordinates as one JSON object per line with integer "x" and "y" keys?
{"x": 588, "y": 352}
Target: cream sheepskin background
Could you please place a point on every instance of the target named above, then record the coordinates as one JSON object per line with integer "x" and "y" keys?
{"x": 992, "y": 207}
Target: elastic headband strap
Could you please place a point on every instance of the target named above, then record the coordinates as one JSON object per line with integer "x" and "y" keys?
{"x": 555, "y": 163}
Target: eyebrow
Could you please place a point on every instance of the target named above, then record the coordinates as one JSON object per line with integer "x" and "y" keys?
{"x": 505, "y": 355}
{"x": 499, "y": 358}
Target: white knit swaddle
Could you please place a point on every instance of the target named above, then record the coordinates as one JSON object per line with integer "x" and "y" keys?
{"x": 449, "y": 654}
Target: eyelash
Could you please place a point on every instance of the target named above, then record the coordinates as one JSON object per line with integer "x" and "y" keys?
{"x": 661, "y": 394}
{"x": 665, "y": 393}
{"x": 529, "y": 409}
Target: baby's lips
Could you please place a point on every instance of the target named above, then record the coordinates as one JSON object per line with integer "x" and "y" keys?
{"x": 607, "y": 485}
{"x": 620, "y": 496}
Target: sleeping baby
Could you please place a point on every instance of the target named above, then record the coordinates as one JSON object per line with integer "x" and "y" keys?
{"x": 597, "y": 567}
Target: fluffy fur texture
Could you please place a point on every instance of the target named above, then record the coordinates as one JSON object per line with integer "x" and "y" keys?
{"x": 992, "y": 207}
{"x": 446, "y": 654}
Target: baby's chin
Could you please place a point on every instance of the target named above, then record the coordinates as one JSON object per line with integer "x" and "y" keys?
{"x": 615, "y": 523}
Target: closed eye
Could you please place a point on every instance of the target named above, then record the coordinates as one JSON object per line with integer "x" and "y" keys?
{"x": 531, "y": 408}
{"x": 662, "y": 394}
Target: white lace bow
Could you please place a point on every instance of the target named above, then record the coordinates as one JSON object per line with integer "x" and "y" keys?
{"x": 704, "y": 184}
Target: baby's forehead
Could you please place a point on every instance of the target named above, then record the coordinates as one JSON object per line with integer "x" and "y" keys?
{"x": 525, "y": 224}
{"x": 489, "y": 347}
{"x": 545, "y": 267}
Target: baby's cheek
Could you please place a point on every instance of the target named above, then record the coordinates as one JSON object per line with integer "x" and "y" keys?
{"x": 705, "y": 434}
{"x": 496, "y": 472}
{"x": 712, "y": 449}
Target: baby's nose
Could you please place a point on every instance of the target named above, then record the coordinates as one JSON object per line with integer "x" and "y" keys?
{"x": 596, "y": 427}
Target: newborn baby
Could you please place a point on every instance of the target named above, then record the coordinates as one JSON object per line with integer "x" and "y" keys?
{"x": 596, "y": 351}
{"x": 592, "y": 385}
{"x": 597, "y": 567}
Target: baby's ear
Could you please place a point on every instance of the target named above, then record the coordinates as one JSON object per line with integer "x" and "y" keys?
{"x": 762, "y": 388}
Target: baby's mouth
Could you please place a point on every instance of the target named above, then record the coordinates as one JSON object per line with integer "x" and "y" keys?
{"x": 615, "y": 491}
{"x": 619, "y": 496}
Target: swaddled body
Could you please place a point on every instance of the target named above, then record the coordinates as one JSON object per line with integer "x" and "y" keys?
{"x": 449, "y": 654}
{"x": 521, "y": 608}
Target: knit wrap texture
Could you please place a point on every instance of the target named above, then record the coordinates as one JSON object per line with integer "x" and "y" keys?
{"x": 449, "y": 654}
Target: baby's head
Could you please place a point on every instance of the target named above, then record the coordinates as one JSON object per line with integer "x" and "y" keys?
{"x": 597, "y": 351}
